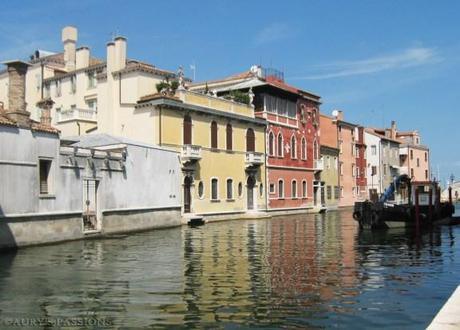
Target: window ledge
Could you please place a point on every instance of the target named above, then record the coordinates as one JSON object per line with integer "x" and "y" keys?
{"x": 215, "y": 200}
{"x": 281, "y": 198}
{"x": 230, "y": 199}
{"x": 46, "y": 196}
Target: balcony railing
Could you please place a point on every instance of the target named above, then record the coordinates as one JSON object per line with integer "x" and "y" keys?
{"x": 191, "y": 152}
{"x": 254, "y": 158}
{"x": 77, "y": 114}
{"x": 318, "y": 164}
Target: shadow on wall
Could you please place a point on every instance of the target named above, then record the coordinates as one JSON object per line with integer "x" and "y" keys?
{"x": 7, "y": 240}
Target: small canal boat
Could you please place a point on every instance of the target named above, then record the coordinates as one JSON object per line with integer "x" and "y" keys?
{"x": 404, "y": 203}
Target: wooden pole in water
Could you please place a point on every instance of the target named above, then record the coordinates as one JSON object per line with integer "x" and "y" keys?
{"x": 450, "y": 196}
{"x": 417, "y": 210}
{"x": 430, "y": 208}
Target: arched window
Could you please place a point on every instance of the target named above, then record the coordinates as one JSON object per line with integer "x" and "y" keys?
{"x": 271, "y": 144}
{"x": 214, "y": 135}
{"x": 280, "y": 145}
{"x": 214, "y": 189}
{"x": 201, "y": 189}
{"x": 229, "y": 189}
{"x": 304, "y": 148}
{"x": 187, "y": 134}
{"x": 280, "y": 189}
{"x": 293, "y": 147}
{"x": 304, "y": 189}
{"x": 229, "y": 134}
{"x": 294, "y": 189}
{"x": 250, "y": 140}
{"x": 315, "y": 150}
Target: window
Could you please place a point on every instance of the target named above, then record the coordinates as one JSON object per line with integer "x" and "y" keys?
{"x": 315, "y": 150}
{"x": 229, "y": 189}
{"x": 426, "y": 174}
{"x": 261, "y": 190}
{"x": 214, "y": 135}
{"x": 187, "y": 127}
{"x": 229, "y": 133}
{"x": 201, "y": 189}
{"x": 293, "y": 147}
{"x": 336, "y": 192}
{"x": 353, "y": 170}
{"x": 280, "y": 189}
{"x": 272, "y": 188}
{"x": 373, "y": 150}
{"x": 280, "y": 106}
{"x": 294, "y": 189}
{"x": 418, "y": 162}
{"x": 304, "y": 148}
{"x": 357, "y": 171}
{"x": 214, "y": 189}
{"x": 304, "y": 189}
{"x": 328, "y": 164}
{"x": 38, "y": 81}
{"x": 341, "y": 192}
{"x": 412, "y": 172}
{"x": 329, "y": 192}
{"x": 92, "y": 82}
{"x": 240, "y": 189}
{"x": 271, "y": 142}
{"x": 45, "y": 176}
{"x": 280, "y": 145}
{"x": 373, "y": 170}
{"x": 412, "y": 154}
{"x": 336, "y": 161}
{"x": 426, "y": 156}
{"x": 384, "y": 169}
{"x": 250, "y": 140}
{"x": 353, "y": 149}
{"x": 92, "y": 105}
{"x": 341, "y": 146}
{"x": 58, "y": 88}
{"x": 73, "y": 84}
{"x": 47, "y": 90}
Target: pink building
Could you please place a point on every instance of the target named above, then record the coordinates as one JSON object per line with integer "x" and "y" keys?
{"x": 414, "y": 157}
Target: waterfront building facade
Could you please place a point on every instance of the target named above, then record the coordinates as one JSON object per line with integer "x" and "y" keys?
{"x": 56, "y": 190}
{"x": 361, "y": 165}
{"x": 414, "y": 156}
{"x": 382, "y": 156}
{"x": 329, "y": 175}
{"x": 292, "y": 135}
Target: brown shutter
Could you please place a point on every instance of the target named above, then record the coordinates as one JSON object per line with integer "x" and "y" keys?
{"x": 229, "y": 137}
{"x": 187, "y": 130}
{"x": 250, "y": 140}
{"x": 214, "y": 135}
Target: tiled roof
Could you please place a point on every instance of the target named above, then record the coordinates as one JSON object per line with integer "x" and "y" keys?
{"x": 5, "y": 121}
{"x": 156, "y": 96}
{"x": 375, "y": 132}
{"x": 34, "y": 125}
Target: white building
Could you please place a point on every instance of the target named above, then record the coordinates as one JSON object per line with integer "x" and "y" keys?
{"x": 55, "y": 190}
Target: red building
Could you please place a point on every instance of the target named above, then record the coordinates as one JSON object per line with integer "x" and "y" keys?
{"x": 361, "y": 163}
{"x": 292, "y": 137}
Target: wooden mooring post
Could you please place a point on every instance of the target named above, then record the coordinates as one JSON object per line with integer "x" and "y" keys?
{"x": 417, "y": 210}
{"x": 430, "y": 205}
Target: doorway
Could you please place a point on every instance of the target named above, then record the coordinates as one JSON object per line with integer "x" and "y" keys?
{"x": 90, "y": 218}
{"x": 187, "y": 194}
{"x": 250, "y": 192}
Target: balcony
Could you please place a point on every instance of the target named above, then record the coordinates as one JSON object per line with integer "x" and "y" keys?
{"x": 318, "y": 164}
{"x": 254, "y": 158}
{"x": 191, "y": 152}
{"x": 77, "y": 114}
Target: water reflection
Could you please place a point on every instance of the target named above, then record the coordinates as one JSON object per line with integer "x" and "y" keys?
{"x": 309, "y": 271}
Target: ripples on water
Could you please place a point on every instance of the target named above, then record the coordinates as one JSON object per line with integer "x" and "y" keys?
{"x": 309, "y": 271}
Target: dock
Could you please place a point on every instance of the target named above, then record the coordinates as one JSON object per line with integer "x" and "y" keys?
{"x": 449, "y": 315}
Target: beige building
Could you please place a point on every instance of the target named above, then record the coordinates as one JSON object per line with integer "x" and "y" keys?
{"x": 414, "y": 156}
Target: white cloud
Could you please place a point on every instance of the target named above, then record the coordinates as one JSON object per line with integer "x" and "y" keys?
{"x": 409, "y": 57}
{"x": 273, "y": 32}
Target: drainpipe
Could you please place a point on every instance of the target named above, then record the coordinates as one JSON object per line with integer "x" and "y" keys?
{"x": 78, "y": 124}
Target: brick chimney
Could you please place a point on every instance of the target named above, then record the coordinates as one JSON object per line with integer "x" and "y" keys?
{"x": 45, "y": 105}
{"x": 69, "y": 39}
{"x": 17, "y": 93}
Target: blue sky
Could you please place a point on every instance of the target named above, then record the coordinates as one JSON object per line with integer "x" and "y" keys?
{"x": 376, "y": 60}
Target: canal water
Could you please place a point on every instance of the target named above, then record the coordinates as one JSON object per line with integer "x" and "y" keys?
{"x": 309, "y": 271}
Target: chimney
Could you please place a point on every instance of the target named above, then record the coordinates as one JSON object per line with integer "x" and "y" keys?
{"x": 82, "y": 58}
{"x": 45, "y": 105}
{"x": 69, "y": 39}
{"x": 337, "y": 114}
{"x": 17, "y": 92}
{"x": 110, "y": 57}
{"x": 120, "y": 53}
{"x": 393, "y": 130}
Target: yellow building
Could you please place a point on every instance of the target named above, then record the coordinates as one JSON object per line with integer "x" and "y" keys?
{"x": 330, "y": 177}
{"x": 222, "y": 148}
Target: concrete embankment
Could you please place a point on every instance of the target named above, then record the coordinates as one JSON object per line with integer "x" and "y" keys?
{"x": 449, "y": 315}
